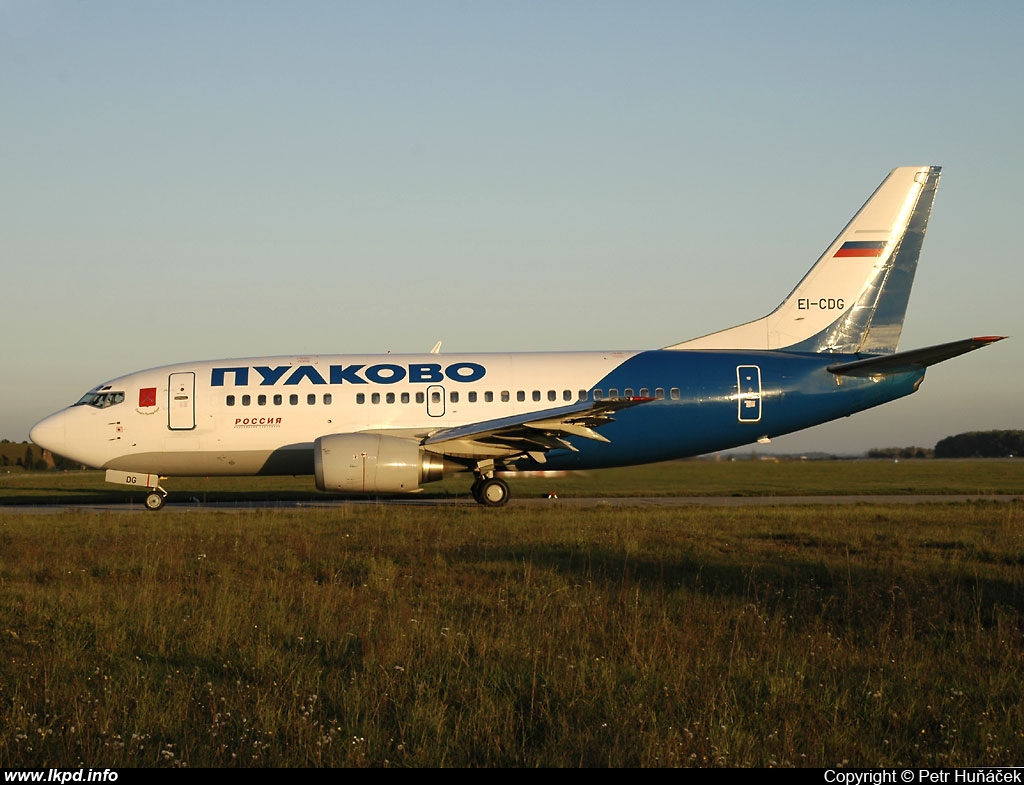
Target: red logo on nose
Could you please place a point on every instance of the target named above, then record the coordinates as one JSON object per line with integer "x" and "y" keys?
{"x": 147, "y": 396}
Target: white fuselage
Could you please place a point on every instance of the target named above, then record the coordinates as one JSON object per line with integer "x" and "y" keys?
{"x": 229, "y": 416}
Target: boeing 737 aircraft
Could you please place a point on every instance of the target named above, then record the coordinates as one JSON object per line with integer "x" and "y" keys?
{"x": 392, "y": 423}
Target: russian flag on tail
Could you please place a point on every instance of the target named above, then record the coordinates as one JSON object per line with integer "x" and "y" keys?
{"x": 861, "y": 248}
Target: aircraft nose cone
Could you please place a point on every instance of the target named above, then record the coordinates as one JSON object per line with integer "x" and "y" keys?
{"x": 50, "y": 433}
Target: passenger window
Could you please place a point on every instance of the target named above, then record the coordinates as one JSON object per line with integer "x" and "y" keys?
{"x": 375, "y": 398}
{"x": 405, "y": 397}
{"x": 327, "y": 399}
{"x": 278, "y": 400}
{"x": 582, "y": 395}
{"x": 472, "y": 397}
{"x": 613, "y": 393}
{"x": 360, "y": 397}
{"x": 552, "y": 395}
{"x": 645, "y": 393}
{"x": 488, "y": 397}
{"x": 536, "y": 395}
{"x": 659, "y": 393}
{"x": 598, "y": 395}
{"x": 231, "y": 400}
{"x": 293, "y": 399}
{"x": 311, "y": 399}
{"x": 454, "y": 397}
{"x": 261, "y": 400}
{"x": 674, "y": 393}
{"x": 435, "y": 397}
{"x": 504, "y": 396}
{"x": 521, "y": 395}
{"x": 420, "y": 398}
{"x": 628, "y": 392}
{"x": 566, "y": 395}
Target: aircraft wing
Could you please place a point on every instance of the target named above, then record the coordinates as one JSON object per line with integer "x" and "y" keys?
{"x": 533, "y": 433}
{"x": 913, "y": 360}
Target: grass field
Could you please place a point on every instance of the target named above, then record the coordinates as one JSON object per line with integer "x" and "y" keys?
{"x": 451, "y": 635}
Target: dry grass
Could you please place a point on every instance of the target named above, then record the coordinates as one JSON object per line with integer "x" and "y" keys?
{"x": 364, "y": 635}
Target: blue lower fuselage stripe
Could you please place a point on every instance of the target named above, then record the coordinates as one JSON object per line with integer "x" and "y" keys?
{"x": 793, "y": 391}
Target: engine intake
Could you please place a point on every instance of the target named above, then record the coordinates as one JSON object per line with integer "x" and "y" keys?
{"x": 371, "y": 463}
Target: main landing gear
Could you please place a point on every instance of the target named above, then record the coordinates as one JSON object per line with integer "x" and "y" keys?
{"x": 488, "y": 490}
{"x": 491, "y": 492}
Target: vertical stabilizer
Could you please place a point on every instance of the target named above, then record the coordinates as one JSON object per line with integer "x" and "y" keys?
{"x": 855, "y": 297}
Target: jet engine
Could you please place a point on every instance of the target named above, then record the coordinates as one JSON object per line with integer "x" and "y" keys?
{"x": 372, "y": 463}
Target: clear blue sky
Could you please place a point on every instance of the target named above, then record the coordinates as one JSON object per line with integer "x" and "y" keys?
{"x": 199, "y": 180}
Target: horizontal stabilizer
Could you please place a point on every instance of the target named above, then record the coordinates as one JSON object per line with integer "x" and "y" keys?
{"x": 914, "y": 360}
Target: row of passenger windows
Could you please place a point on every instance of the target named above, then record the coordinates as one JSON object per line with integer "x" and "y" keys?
{"x": 277, "y": 400}
{"x": 504, "y": 396}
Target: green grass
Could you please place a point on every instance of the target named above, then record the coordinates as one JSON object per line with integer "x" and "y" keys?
{"x": 383, "y": 635}
{"x": 677, "y": 478}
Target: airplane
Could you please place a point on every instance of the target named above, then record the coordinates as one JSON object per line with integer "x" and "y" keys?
{"x": 390, "y": 424}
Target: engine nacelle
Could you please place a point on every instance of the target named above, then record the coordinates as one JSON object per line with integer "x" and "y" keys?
{"x": 371, "y": 463}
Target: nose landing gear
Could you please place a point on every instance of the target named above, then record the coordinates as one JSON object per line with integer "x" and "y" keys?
{"x": 156, "y": 499}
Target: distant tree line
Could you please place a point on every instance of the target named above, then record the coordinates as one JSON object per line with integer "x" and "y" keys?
{"x": 901, "y": 452}
{"x": 981, "y": 444}
{"x": 975, "y": 444}
{"x": 30, "y": 457}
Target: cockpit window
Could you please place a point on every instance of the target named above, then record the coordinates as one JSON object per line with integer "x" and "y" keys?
{"x": 102, "y": 399}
